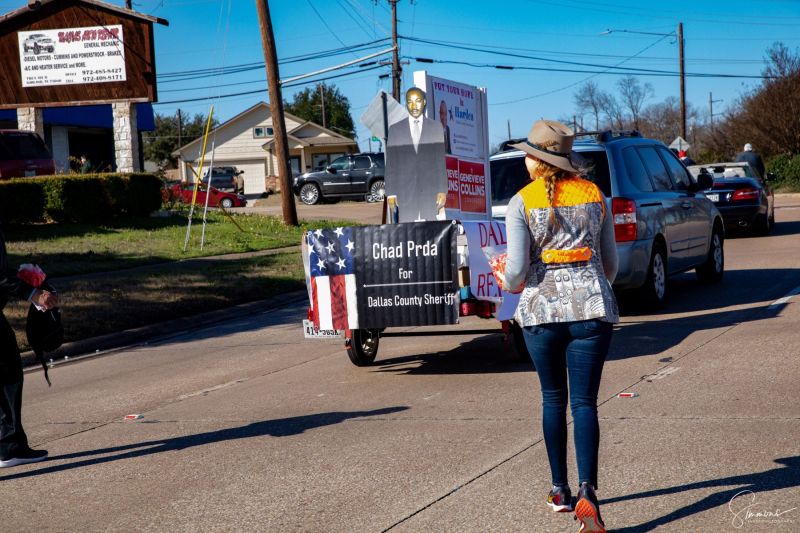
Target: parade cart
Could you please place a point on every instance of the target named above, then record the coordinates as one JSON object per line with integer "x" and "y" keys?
{"x": 363, "y": 280}
{"x": 430, "y": 265}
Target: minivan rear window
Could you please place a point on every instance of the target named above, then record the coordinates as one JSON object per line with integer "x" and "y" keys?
{"x": 22, "y": 145}
{"x": 595, "y": 163}
{"x": 509, "y": 175}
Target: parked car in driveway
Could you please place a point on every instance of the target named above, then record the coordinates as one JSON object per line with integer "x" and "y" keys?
{"x": 182, "y": 192}
{"x": 663, "y": 222}
{"x": 225, "y": 179}
{"x": 24, "y": 154}
{"x": 746, "y": 201}
{"x": 355, "y": 175}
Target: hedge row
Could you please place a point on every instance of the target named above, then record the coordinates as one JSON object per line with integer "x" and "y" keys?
{"x": 787, "y": 170}
{"x": 79, "y": 198}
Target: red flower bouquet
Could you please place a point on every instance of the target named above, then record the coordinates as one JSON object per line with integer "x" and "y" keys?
{"x": 31, "y": 274}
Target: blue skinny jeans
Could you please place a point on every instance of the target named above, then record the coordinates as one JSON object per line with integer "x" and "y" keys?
{"x": 574, "y": 353}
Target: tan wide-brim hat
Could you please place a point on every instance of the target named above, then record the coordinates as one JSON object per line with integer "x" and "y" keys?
{"x": 550, "y": 141}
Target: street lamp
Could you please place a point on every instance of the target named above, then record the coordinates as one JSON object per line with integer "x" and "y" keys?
{"x": 679, "y": 36}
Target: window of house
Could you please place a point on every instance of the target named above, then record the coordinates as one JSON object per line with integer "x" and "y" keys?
{"x": 262, "y": 132}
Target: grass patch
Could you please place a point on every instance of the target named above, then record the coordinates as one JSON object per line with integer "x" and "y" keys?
{"x": 104, "y": 304}
{"x": 69, "y": 249}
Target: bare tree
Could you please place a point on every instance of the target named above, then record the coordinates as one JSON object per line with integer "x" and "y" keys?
{"x": 612, "y": 111}
{"x": 633, "y": 95}
{"x": 588, "y": 98}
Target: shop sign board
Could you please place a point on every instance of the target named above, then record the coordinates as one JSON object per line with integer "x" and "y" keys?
{"x": 72, "y": 56}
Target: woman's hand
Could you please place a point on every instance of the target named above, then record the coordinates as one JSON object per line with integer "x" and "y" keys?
{"x": 45, "y": 299}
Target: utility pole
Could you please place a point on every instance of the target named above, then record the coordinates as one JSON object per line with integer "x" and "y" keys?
{"x": 322, "y": 97}
{"x": 711, "y": 102}
{"x": 276, "y": 109}
{"x": 508, "y": 123}
{"x": 397, "y": 70}
{"x": 180, "y": 129}
{"x": 683, "y": 80}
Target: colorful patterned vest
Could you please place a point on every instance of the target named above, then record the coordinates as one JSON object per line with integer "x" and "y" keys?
{"x": 565, "y": 281}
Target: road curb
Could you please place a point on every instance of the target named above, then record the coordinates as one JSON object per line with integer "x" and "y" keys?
{"x": 103, "y": 344}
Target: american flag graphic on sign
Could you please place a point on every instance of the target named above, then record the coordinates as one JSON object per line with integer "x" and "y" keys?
{"x": 333, "y": 283}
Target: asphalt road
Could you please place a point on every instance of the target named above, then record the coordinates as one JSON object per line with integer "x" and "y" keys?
{"x": 248, "y": 427}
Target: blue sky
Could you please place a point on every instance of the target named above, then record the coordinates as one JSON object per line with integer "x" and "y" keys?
{"x": 720, "y": 38}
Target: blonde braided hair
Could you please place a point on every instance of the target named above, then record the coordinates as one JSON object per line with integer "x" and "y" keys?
{"x": 550, "y": 174}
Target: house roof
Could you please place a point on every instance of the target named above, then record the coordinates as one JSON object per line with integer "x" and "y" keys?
{"x": 335, "y": 138}
{"x": 34, "y": 5}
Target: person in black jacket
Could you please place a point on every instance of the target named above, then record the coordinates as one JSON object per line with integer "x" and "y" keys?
{"x": 749, "y": 156}
{"x": 14, "y": 449}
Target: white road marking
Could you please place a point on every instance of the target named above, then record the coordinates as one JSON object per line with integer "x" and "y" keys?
{"x": 782, "y": 301}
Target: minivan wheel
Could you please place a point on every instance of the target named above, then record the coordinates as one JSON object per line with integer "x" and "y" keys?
{"x": 377, "y": 190}
{"x": 654, "y": 291}
{"x": 309, "y": 194}
{"x": 713, "y": 268}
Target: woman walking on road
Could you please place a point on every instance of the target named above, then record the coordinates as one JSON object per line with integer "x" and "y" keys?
{"x": 562, "y": 256}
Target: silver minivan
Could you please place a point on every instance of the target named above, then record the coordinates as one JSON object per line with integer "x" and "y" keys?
{"x": 663, "y": 223}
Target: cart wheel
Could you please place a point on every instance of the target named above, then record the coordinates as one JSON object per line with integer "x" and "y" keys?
{"x": 362, "y": 346}
{"x": 523, "y": 356}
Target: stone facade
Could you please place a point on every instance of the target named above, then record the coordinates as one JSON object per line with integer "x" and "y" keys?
{"x": 126, "y": 137}
{"x": 30, "y": 119}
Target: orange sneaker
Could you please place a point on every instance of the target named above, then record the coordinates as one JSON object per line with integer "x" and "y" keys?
{"x": 587, "y": 510}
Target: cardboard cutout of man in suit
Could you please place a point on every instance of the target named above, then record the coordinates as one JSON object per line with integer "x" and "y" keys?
{"x": 415, "y": 162}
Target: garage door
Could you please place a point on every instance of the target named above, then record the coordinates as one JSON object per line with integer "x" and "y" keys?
{"x": 253, "y": 176}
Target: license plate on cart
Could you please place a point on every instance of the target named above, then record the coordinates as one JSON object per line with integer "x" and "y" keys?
{"x": 713, "y": 197}
{"x": 311, "y": 332}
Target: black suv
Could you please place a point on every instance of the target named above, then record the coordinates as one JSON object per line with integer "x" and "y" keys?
{"x": 663, "y": 222}
{"x": 349, "y": 175}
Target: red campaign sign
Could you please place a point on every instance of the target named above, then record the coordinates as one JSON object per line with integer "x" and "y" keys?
{"x": 453, "y": 202}
{"x": 472, "y": 181}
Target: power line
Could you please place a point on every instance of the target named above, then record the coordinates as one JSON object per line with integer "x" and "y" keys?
{"x": 264, "y": 91}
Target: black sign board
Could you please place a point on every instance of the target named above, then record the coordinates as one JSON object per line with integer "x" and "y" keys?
{"x": 398, "y": 275}
{"x": 407, "y": 275}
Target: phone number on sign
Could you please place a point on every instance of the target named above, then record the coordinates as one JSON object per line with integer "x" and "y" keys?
{"x": 115, "y": 77}
{"x": 87, "y": 35}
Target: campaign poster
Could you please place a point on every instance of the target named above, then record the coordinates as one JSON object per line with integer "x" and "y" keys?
{"x": 72, "y": 56}
{"x": 472, "y": 186}
{"x": 453, "y": 184}
{"x": 382, "y": 276}
{"x": 462, "y": 111}
{"x": 455, "y": 106}
{"x": 486, "y": 240}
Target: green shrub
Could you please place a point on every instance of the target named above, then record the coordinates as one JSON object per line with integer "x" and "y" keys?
{"x": 786, "y": 168}
{"x": 22, "y": 201}
{"x": 144, "y": 194}
{"x": 79, "y": 198}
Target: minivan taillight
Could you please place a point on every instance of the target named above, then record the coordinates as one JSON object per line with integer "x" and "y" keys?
{"x": 624, "y": 212}
{"x": 742, "y": 195}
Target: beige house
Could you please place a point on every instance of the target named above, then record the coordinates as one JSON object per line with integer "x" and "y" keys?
{"x": 246, "y": 142}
